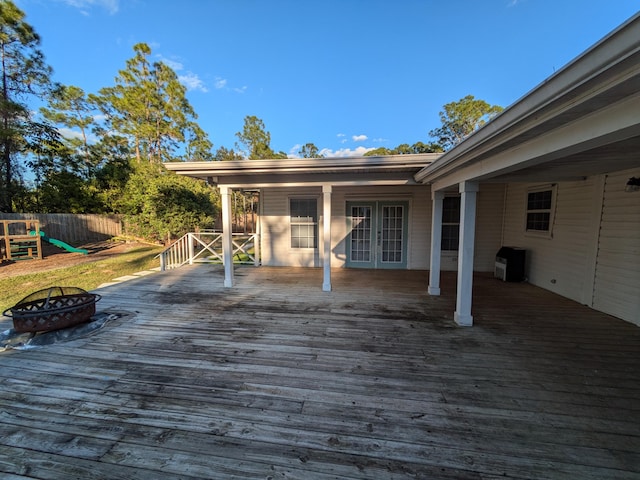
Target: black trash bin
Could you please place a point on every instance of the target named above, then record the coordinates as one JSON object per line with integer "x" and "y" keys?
{"x": 510, "y": 264}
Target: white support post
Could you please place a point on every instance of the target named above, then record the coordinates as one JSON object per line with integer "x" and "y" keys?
{"x": 258, "y": 236}
{"x": 468, "y": 191}
{"x": 326, "y": 238}
{"x": 227, "y": 240}
{"x": 437, "y": 198}
{"x": 192, "y": 251}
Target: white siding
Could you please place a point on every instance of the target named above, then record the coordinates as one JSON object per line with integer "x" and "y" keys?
{"x": 617, "y": 275}
{"x": 489, "y": 214}
{"x": 275, "y": 233}
{"x": 275, "y": 244}
{"x": 419, "y": 198}
{"x": 490, "y": 210}
{"x": 276, "y": 250}
{"x": 559, "y": 263}
{"x": 593, "y": 255}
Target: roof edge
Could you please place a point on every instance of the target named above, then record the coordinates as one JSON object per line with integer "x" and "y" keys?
{"x": 615, "y": 46}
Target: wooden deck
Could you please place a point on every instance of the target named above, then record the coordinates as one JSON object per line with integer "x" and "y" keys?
{"x": 276, "y": 379}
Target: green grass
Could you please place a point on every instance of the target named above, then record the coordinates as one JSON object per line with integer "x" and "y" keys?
{"x": 87, "y": 276}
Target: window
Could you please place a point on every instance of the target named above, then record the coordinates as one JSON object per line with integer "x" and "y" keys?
{"x": 361, "y": 233}
{"x": 304, "y": 222}
{"x": 450, "y": 223}
{"x": 540, "y": 210}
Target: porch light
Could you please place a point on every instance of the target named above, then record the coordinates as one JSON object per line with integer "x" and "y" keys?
{"x": 633, "y": 185}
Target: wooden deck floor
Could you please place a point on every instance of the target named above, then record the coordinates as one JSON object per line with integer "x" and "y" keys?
{"x": 277, "y": 380}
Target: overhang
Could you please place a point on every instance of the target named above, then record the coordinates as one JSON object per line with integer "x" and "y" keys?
{"x": 581, "y": 121}
{"x": 376, "y": 170}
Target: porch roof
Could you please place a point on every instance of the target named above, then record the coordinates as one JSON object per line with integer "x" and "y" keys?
{"x": 581, "y": 121}
{"x": 370, "y": 381}
{"x": 392, "y": 169}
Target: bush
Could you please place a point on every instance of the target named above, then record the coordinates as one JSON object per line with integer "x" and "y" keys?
{"x": 161, "y": 206}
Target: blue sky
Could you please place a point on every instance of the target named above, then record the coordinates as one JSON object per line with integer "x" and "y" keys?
{"x": 346, "y": 75}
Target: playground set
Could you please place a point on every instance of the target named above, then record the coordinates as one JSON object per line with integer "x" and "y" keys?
{"x": 22, "y": 240}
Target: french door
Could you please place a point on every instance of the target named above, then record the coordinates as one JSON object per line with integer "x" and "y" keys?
{"x": 377, "y": 234}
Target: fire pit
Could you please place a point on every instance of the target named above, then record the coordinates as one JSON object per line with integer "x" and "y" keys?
{"x": 52, "y": 309}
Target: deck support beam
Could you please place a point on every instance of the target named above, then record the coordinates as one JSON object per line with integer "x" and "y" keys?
{"x": 227, "y": 238}
{"x": 468, "y": 194}
{"x": 326, "y": 238}
{"x": 437, "y": 199}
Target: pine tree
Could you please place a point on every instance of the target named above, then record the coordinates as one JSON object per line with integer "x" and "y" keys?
{"x": 23, "y": 73}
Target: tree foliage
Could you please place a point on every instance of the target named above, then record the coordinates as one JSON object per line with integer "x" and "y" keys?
{"x": 460, "y": 119}
{"x": 256, "y": 140}
{"x": 405, "y": 149}
{"x": 148, "y": 106}
{"x": 23, "y": 73}
{"x": 161, "y": 205}
{"x": 309, "y": 150}
{"x": 69, "y": 107}
{"x": 225, "y": 155}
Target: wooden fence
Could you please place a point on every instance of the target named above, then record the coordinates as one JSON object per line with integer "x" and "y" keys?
{"x": 72, "y": 228}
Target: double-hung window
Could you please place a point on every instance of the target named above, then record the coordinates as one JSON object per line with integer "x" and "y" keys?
{"x": 450, "y": 223}
{"x": 540, "y": 204}
{"x": 303, "y": 215}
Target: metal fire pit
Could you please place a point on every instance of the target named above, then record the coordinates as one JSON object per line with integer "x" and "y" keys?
{"x": 52, "y": 309}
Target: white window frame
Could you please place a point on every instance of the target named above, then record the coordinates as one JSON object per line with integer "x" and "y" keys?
{"x": 456, "y": 224}
{"x": 315, "y": 224}
{"x": 551, "y": 210}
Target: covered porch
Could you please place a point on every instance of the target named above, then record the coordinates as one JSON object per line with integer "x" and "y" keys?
{"x": 274, "y": 379}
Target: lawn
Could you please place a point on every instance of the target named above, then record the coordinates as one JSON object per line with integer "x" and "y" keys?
{"x": 87, "y": 276}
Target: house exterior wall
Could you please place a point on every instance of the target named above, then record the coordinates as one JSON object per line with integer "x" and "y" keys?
{"x": 617, "y": 272}
{"x": 275, "y": 231}
{"x": 419, "y": 198}
{"x": 557, "y": 262}
{"x": 489, "y": 214}
{"x": 275, "y": 234}
{"x": 275, "y": 238}
{"x": 593, "y": 253}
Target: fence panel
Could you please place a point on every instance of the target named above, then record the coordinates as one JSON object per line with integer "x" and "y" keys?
{"x": 73, "y": 228}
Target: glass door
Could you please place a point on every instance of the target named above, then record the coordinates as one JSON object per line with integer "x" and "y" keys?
{"x": 377, "y": 234}
{"x": 360, "y": 241}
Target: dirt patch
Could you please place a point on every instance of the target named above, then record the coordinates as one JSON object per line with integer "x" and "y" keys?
{"x": 54, "y": 258}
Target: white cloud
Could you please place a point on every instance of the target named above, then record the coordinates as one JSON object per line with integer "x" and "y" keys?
{"x": 112, "y": 6}
{"x": 220, "y": 83}
{"x": 340, "y": 135}
{"x": 223, "y": 84}
{"x": 359, "y": 138}
{"x": 74, "y": 134}
{"x": 193, "y": 82}
{"x": 174, "y": 65}
{"x": 345, "y": 152}
{"x": 70, "y": 134}
{"x": 293, "y": 151}
{"x": 381, "y": 140}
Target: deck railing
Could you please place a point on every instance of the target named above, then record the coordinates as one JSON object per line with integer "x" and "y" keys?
{"x": 206, "y": 247}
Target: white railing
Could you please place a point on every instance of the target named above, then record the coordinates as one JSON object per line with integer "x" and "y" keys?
{"x": 206, "y": 247}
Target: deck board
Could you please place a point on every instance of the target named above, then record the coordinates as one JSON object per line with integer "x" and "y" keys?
{"x": 277, "y": 379}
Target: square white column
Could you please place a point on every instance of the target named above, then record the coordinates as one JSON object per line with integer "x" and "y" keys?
{"x": 227, "y": 239}
{"x": 437, "y": 199}
{"x": 326, "y": 237}
{"x": 468, "y": 194}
